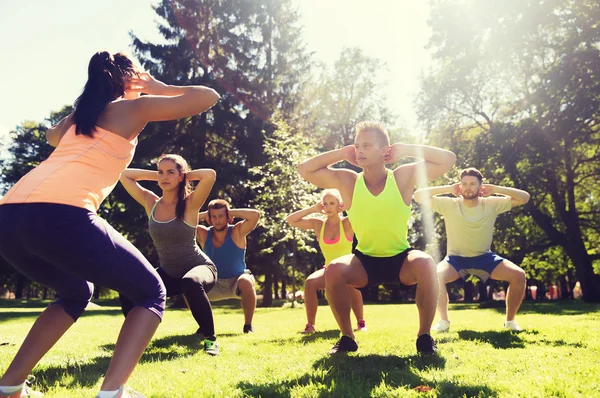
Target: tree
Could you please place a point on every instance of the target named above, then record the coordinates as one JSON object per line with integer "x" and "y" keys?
{"x": 338, "y": 99}
{"x": 279, "y": 190}
{"x": 518, "y": 95}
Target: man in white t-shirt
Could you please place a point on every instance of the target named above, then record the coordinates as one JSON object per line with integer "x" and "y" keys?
{"x": 469, "y": 219}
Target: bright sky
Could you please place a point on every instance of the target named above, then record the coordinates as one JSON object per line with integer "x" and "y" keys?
{"x": 44, "y": 65}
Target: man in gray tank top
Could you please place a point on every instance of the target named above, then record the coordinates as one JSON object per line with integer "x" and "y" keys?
{"x": 225, "y": 244}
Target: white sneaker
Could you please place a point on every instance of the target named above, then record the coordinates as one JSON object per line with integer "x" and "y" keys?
{"x": 512, "y": 325}
{"x": 441, "y": 326}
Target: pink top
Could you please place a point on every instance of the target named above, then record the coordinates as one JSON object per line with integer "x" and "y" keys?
{"x": 82, "y": 171}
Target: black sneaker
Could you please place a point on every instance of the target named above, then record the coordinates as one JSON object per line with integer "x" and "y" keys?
{"x": 344, "y": 344}
{"x": 248, "y": 329}
{"x": 426, "y": 345}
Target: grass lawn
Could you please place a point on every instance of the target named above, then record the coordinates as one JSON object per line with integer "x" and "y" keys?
{"x": 557, "y": 356}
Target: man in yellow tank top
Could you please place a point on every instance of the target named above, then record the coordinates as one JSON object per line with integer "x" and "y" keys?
{"x": 378, "y": 202}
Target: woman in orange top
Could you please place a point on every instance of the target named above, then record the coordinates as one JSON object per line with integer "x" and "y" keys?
{"x": 52, "y": 233}
{"x": 335, "y": 236}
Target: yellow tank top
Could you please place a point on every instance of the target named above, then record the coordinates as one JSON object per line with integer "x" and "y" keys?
{"x": 82, "y": 171}
{"x": 380, "y": 222}
{"x": 333, "y": 250}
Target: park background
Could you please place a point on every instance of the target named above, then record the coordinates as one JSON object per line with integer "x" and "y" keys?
{"x": 512, "y": 87}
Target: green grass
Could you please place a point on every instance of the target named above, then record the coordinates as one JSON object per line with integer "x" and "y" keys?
{"x": 558, "y": 355}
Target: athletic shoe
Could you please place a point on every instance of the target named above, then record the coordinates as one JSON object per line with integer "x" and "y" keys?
{"x": 248, "y": 329}
{"x": 426, "y": 345}
{"x": 361, "y": 326}
{"x": 512, "y": 325}
{"x": 212, "y": 347}
{"x": 309, "y": 329}
{"x": 344, "y": 344}
{"x": 441, "y": 326}
{"x": 26, "y": 391}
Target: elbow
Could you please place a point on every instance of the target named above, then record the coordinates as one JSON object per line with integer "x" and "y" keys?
{"x": 303, "y": 170}
{"x": 211, "y": 175}
{"x": 213, "y": 96}
{"x": 526, "y": 197}
{"x": 451, "y": 159}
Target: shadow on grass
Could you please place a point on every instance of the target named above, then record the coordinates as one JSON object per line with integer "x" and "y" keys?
{"x": 86, "y": 373}
{"x": 504, "y": 339}
{"x": 358, "y": 376}
{"x": 321, "y": 334}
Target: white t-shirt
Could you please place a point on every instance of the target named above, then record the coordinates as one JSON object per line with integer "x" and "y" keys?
{"x": 470, "y": 230}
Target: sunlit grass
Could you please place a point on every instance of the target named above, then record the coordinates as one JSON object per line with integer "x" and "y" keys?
{"x": 556, "y": 356}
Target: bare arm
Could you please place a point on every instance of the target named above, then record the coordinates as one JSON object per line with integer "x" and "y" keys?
{"x": 436, "y": 161}
{"x": 129, "y": 179}
{"x": 249, "y": 218}
{"x": 299, "y": 218}
{"x": 203, "y": 216}
{"x": 518, "y": 196}
{"x": 316, "y": 170}
{"x": 201, "y": 234}
{"x": 424, "y": 196}
{"x": 166, "y": 102}
{"x": 206, "y": 179}
{"x": 55, "y": 133}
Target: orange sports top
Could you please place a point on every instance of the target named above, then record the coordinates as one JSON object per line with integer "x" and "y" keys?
{"x": 82, "y": 171}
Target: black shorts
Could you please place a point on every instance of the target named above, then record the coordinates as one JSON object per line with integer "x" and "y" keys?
{"x": 382, "y": 270}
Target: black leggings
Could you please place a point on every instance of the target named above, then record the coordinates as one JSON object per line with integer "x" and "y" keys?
{"x": 194, "y": 285}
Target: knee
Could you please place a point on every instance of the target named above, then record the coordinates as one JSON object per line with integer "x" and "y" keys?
{"x": 426, "y": 264}
{"x": 334, "y": 273}
{"x": 191, "y": 283}
{"x": 311, "y": 285}
{"x": 246, "y": 285}
{"x": 76, "y": 300}
{"x": 519, "y": 277}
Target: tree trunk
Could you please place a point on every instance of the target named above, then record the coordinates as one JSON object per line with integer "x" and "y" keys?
{"x": 468, "y": 289}
{"x": 283, "y": 288}
{"x": 20, "y": 286}
{"x": 483, "y": 293}
{"x": 268, "y": 291}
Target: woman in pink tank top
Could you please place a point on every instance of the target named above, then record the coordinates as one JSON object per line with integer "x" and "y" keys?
{"x": 335, "y": 236}
{"x": 57, "y": 239}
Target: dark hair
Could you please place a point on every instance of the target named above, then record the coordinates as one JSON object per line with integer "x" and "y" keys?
{"x": 473, "y": 172}
{"x": 218, "y": 204}
{"x": 106, "y": 83}
{"x": 184, "y": 188}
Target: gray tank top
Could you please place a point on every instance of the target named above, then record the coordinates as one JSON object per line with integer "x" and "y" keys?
{"x": 175, "y": 242}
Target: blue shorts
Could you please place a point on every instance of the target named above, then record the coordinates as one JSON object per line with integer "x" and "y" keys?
{"x": 481, "y": 266}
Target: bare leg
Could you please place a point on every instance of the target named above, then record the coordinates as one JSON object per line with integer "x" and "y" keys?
{"x": 316, "y": 281}
{"x": 419, "y": 269}
{"x": 136, "y": 333}
{"x": 45, "y": 332}
{"x": 356, "y": 302}
{"x": 446, "y": 274}
{"x": 507, "y": 271}
{"x": 246, "y": 287}
{"x": 344, "y": 271}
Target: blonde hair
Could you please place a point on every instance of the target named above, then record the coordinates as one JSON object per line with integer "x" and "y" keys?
{"x": 381, "y": 134}
{"x": 333, "y": 192}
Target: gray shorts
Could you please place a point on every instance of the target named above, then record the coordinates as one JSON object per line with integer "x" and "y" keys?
{"x": 228, "y": 288}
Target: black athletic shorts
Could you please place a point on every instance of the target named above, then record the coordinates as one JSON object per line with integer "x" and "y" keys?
{"x": 382, "y": 270}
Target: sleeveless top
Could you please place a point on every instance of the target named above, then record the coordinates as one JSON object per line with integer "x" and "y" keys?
{"x": 380, "y": 222}
{"x": 175, "y": 242}
{"x": 229, "y": 258}
{"x": 338, "y": 248}
{"x": 82, "y": 171}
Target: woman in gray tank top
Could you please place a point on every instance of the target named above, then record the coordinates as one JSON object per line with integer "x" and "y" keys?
{"x": 172, "y": 220}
